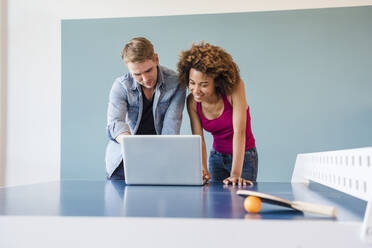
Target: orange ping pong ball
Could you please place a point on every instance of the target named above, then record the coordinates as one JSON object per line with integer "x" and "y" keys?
{"x": 252, "y": 204}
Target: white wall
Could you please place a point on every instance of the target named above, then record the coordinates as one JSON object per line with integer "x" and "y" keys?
{"x": 34, "y": 68}
{"x": 2, "y": 88}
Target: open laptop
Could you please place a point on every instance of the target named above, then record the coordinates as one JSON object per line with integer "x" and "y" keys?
{"x": 162, "y": 159}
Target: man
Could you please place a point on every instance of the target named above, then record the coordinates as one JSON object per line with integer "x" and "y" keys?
{"x": 147, "y": 100}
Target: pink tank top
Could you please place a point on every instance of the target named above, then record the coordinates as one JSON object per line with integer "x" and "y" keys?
{"x": 222, "y": 128}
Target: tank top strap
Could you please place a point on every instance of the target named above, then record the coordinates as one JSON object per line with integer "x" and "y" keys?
{"x": 226, "y": 102}
{"x": 198, "y": 109}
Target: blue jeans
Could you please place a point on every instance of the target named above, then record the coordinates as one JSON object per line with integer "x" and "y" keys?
{"x": 220, "y": 165}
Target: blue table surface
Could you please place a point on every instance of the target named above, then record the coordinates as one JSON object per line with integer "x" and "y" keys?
{"x": 115, "y": 198}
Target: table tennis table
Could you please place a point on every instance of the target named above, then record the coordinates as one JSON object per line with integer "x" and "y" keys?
{"x": 83, "y": 213}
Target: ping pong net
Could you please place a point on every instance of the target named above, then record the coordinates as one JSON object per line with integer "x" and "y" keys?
{"x": 349, "y": 171}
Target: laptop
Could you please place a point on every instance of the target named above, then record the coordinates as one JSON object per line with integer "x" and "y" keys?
{"x": 162, "y": 159}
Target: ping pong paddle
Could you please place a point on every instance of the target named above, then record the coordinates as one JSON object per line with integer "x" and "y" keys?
{"x": 297, "y": 205}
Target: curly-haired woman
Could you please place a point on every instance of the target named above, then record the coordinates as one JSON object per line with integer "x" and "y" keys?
{"x": 217, "y": 103}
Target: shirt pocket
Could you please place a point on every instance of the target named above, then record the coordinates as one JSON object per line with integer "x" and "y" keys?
{"x": 132, "y": 114}
{"x": 163, "y": 106}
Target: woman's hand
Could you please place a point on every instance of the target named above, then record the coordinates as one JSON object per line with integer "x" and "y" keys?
{"x": 237, "y": 180}
{"x": 206, "y": 175}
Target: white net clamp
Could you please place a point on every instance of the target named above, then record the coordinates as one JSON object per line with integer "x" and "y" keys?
{"x": 349, "y": 171}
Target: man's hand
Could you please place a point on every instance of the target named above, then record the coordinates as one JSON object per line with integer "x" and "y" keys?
{"x": 119, "y": 138}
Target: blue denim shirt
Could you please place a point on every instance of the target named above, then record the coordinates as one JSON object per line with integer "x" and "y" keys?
{"x": 125, "y": 110}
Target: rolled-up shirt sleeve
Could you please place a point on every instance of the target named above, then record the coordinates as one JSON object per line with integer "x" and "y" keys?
{"x": 117, "y": 111}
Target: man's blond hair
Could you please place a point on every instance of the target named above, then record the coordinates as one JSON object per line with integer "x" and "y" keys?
{"x": 138, "y": 50}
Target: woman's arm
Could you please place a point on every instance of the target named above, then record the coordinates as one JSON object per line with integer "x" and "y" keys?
{"x": 197, "y": 129}
{"x": 239, "y": 104}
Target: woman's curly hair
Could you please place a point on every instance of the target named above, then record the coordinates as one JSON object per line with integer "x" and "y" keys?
{"x": 211, "y": 60}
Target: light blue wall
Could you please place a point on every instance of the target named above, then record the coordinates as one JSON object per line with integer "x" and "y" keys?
{"x": 308, "y": 76}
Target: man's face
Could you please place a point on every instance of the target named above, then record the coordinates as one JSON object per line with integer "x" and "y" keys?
{"x": 146, "y": 72}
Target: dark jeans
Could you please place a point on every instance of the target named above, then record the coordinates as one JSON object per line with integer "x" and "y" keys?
{"x": 220, "y": 165}
{"x": 118, "y": 173}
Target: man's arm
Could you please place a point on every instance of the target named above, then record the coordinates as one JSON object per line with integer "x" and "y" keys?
{"x": 173, "y": 116}
{"x": 116, "y": 113}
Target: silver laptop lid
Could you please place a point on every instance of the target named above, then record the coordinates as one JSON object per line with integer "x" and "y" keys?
{"x": 162, "y": 159}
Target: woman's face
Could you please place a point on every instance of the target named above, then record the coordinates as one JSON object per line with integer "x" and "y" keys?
{"x": 201, "y": 85}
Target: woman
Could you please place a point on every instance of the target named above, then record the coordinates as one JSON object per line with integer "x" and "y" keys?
{"x": 217, "y": 103}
